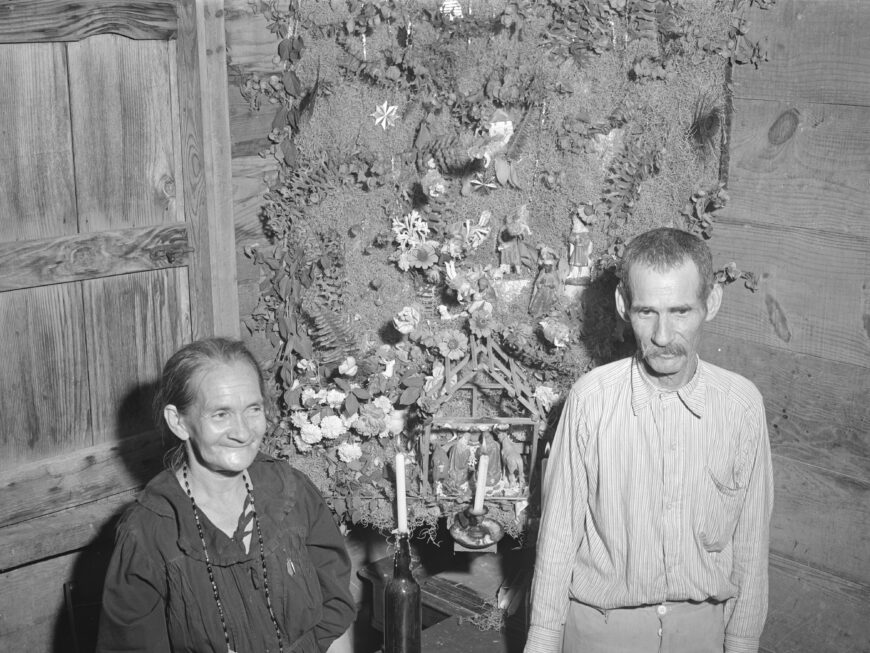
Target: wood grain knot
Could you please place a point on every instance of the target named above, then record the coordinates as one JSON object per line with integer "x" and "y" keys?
{"x": 784, "y": 127}
{"x": 777, "y": 318}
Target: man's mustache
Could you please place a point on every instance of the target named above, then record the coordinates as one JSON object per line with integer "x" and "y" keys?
{"x": 651, "y": 351}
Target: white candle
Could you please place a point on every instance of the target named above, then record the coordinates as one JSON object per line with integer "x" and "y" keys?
{"x": 401, "y": 500}
{"x": 480, "y": 488}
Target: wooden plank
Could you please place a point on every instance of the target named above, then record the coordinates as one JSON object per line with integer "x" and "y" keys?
{"x": 122, "y": 129}
{"x": 133, "y": 324}
{"x": 23, "y": 21}
{"x": 78, "y": 477}
{"x": 249, "y": 129}
{"x": 821, "y": 518}
{"x": 36, "y": 162}
{"x": 817, "y": 409}
{"x": 811, "y": 611}
{"x": 27, "y": 264}
{"x": 205, "y": 141}
{"x": 800, "y": 165}
{"x": 31, "y": 605}
{"x": 249, "y": 190}
{"x": 814, "y": 293}
{"x": 249, "y": 41}
{"x": 60, "y": 532}
{"x": 817, "y": 53}
{"x": 45, "y": 381}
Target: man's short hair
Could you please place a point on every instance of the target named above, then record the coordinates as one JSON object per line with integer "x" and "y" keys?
{"x": 664, "y": 249}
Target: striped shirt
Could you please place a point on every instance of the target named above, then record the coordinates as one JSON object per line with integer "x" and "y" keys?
{"x": 654, "y": 496}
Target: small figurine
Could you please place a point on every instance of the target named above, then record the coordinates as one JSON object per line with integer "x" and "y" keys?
{"x": 458, "y": 459}
{"x": 440, "y": 466}
{"x": 545, "y": 292}
{"x": 511, "y": 237}
{"x": 580, "y": 247}
{"x": 512, "y": 460}
{"x": 490, "y": 447}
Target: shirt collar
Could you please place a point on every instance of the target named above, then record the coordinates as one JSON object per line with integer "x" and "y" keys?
{"x": 692, "y": 394}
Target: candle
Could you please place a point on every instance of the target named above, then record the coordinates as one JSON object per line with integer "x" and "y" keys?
{"x": 480, "y": 488}
{"x": 401, "y": 500}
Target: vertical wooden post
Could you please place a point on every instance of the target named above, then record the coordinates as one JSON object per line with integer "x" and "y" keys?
{"x": 207, "y": 169}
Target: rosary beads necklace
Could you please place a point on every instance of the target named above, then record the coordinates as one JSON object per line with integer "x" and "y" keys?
{"x": 214, "y": 587}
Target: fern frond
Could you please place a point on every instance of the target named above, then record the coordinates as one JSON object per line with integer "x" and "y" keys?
{"x": 332, "y": 336}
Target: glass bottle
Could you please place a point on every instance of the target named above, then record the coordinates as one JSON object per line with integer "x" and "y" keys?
{"x": 403, "y": 612}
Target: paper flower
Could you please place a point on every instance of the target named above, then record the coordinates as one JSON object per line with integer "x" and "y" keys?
{"x": 406, "y": 320}
{"x": 349, "y": 451}
{"x": 385, "y": 115}
{"x": 546, "y": 395}
{"x": 299, "y": 419}
{"x": 371, "y": 420}
{"x": 453, "y": 344}
{"x": 331, "y": 427}
{"x": 311, "y": 434}
{"x": 335, "y": 398}
{"x": 348, "y": 366}
{"x": 424, "y": 256}
{"x": 481, "y": 324}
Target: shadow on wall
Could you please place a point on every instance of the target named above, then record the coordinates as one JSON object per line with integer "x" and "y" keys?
{"x": 76, "y": 627}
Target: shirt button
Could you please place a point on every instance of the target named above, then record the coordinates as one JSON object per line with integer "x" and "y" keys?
{"x": 662, "y": 610}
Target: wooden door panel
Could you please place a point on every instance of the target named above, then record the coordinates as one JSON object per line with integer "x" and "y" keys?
{"x": 133, "y": 324}
{"x": 122, "y": 130}
{"x": 36, "y": 161}
{"x": 44, "y": 402}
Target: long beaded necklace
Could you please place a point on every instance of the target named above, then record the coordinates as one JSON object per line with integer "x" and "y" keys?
{"x": 214, "y": 587}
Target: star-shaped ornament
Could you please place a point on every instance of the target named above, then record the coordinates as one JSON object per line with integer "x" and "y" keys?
{"x": 385, "y": 115}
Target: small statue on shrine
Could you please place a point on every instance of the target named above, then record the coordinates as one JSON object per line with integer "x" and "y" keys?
{"x": 512, "y": 461}
{"x": 580, "y": 247}
{"x": 440, "y": 466}
{"x": 545, "y": 292}
{"x": 458, "y": 459}
{"x": 490, "y": 447}
{"x": 512, "y": 235}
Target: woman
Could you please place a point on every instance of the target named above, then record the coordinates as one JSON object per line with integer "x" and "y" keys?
{"x": 228, "y": 549}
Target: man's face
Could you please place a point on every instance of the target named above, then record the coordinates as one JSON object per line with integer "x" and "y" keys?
{"x": 667, "y": 315}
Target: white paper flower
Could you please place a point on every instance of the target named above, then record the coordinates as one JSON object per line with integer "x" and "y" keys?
{"x": 331, "y": 427}
{"x": 546, "y": 395}
{"x": 311, "y": 434}
{"x": 385, "y": 115}
{"x": 299, "y": 419}
{"x": 384, "y": 404}
{"x": 301, "y": 445}
{"x": 335, "y": 398}
{"x": 406, "y": 320}
{"x": 349, "y": 451}
{"x": 348, "y": 366}
{"x": 396, "y": 421}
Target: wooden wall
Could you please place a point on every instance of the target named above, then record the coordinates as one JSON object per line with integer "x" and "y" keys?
{"x": 116, "y": 247}
{"x": 799, "y": 183}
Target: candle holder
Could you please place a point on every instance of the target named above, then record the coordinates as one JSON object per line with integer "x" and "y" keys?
{"x": 474, "y": 530}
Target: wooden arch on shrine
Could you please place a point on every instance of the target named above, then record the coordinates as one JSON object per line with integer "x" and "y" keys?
{"x": 486, "y": 368}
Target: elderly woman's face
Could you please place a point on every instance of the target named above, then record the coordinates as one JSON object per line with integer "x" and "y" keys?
{"x": 225, "y": 424}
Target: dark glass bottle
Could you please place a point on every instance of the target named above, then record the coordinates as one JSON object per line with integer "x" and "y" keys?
{"x": 403, "y": 613}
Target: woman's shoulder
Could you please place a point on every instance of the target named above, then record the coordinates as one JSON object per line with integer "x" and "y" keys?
{"x": 279, "y": 475}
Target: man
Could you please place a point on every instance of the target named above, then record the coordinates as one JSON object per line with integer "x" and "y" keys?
{"x": 658, "y": 491}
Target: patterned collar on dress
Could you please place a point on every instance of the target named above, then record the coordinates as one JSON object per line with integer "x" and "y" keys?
{"x": 693, "y": 394}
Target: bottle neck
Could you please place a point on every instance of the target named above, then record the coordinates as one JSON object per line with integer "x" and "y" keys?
{"x": 402, "y": 558}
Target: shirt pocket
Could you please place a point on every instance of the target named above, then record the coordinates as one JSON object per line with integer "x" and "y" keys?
{"x": 303, "y": 598}
{"x": 723, "y": 502}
